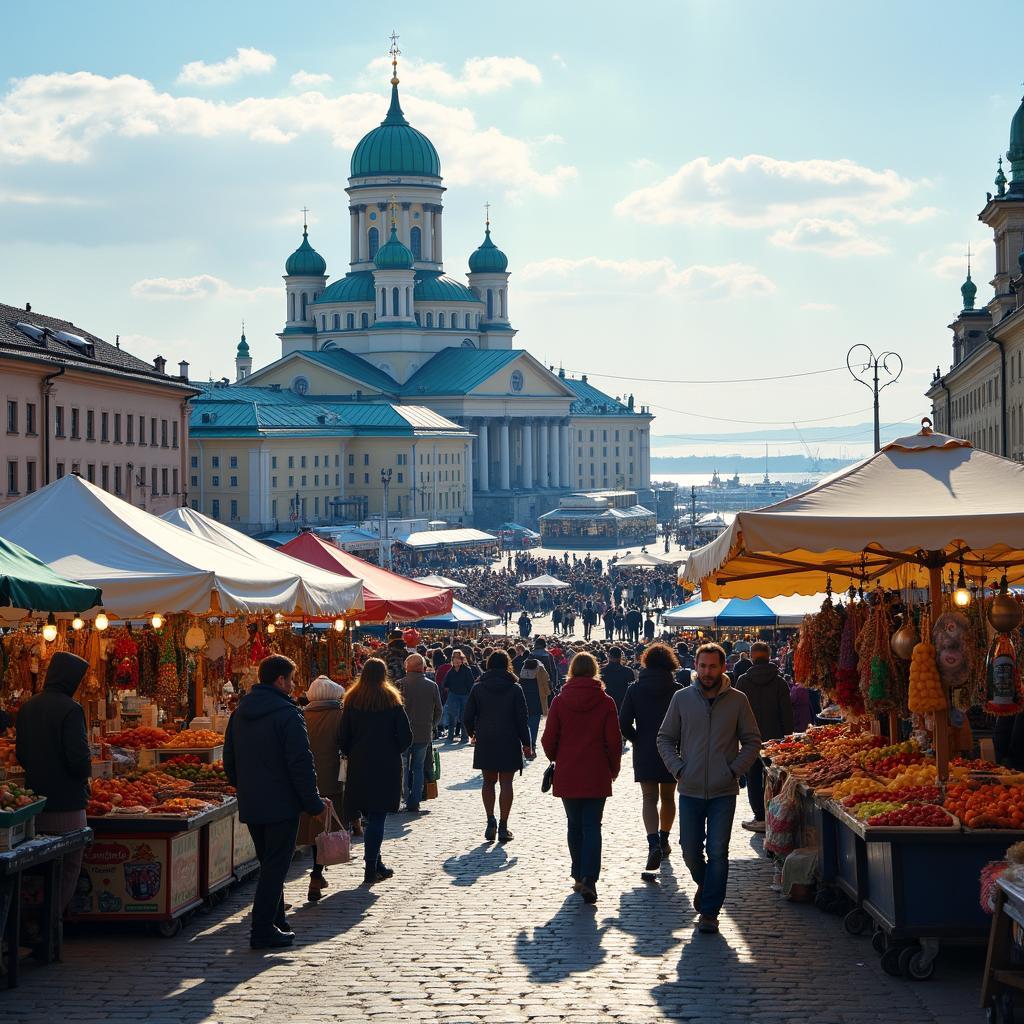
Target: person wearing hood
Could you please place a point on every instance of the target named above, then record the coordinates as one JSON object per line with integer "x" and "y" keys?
{"x": 496, "y": 717}
{"x": 423, "y": 706}
{"x": 643, "y": 710}
{"x": 52, "y": 746}
{"x": 536, "y": 684}
{"x": 582, "y": 737}
{"x": 708, "y": 740}
{"x": 769, "y": 696}
{"x": 268, "y": 760}
{"x": 323, "y": 723}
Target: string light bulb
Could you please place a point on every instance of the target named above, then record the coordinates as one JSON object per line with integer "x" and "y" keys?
{"x": 157, "y": 622}
{"x": 77, "y": 623}
{"x": 50, "y": 629}
{"x": 102, "y": 621}
{"x": 339, "y": 625}
{"x": 962, "y": 595}
{"x": 271, "y": 629}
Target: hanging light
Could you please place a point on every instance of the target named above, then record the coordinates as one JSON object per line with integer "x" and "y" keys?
{"x": 271, "y": 629}
{"x": 962, "y": 595}
{"x": 157, "y": 622}
{"x": 77, "y": 623}
{"x": 102, "y": 621}
{"x": 278, "y": 618}
{"x": 339, "y": 625}
{"x": 50, "y": 629}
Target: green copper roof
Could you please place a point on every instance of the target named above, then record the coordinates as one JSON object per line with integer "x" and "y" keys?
{"x": 457, "y": 371}
{"x": 356, "y": 367}
{"x": 305, "y": 261}
{"x": 356, "y": 287}
{"x": 1000, "y": 180}
{"x": 395, "y": 147}
{"x": 432, "y": 286}
{"x": 591, "y": 401}
{"x": 488, "y": 258}
{"x": 1015, "y": 154}
{"x": 968, "y": 290}
{"x": 393, "y": 255}
{"x": 243, "y": 347}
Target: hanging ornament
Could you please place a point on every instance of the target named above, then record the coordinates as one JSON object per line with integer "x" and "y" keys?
{"x": 126, "y": 661}
{"x": 167, "y": 675}
{"x": 1005, "y": 696}
{"x": 1004, "y": 611}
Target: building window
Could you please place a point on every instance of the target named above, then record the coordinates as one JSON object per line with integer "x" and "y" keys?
{"x": 350, "y": 322}
{"x": 401, "y": 478}
{"x": 366, "y": 478}
{"x": 373, "y": 238}
{"x": 305, "y": 303}
{"x": 273, "y": 462}
{"x": 215, "y": 509}
{"x": 440, "y": 319}
{"x": 214, "y": 480}
{"x": 366, "y": 320}
{"x": 234, "y": 481}
{"x": 395, "y": 311}
{"x": 90, "y": 425}
{"x": 117, "y": 428}
{"x": 152, "y": 432}
{"x": 12, "y": 417}
{"x": 215, "y": 461}
{"x": 60, "y": 470}
{"x": 90, "y": 472}
{"x": 430, "y": 319}
{"x": 195, "y": 480}
{"x": 142, "y": 430}
{"x": 416, "y": 243}
{"x": 104, "y": 426}
{"x": 163, "y": 433}
{"x": 291, "y": 482}
{"x": 490, "y": 304}
{"x": 58, "y": 421}
{"x": 12, "y": 476}
{"x": 105, "y": 477}
{"x": 174, "y": 433}
{"x": 273, "y": 482}
{"x": 30, "y": 418}
{"x": 351, "y": 459}
{"x": 273, "y": 509}
{"x": 74, "y": 424}
{"x": 174, "y": 480}
{"x": 316, "y": 507}
{"x": 117, "y": 480}
{"x": 351, "y": 478}
{"x": 163, "y": 481}
{"x": 195, "y": 461}
{"x": 234, "y": 509}
{"x": 291, "y": 461}
{"x": 366, "y": 460}
{"x": 234, "y": 461}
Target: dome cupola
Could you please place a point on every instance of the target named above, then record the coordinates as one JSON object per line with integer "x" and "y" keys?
{"x": 393, "y": 255}
{"x": 968, "y": 290}
{"x": 305, "y": 261}
{"x": 488, "y": 258}
{"x": 1015, "y": 154}
{"x": 243, "y": 346}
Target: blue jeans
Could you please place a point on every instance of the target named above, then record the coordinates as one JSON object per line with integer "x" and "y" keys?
{"x": 455, "y": 707}
{"x": 373, "y": 839}
{"x": 707, "y": 824}
{"x": 533, "y": 721}
{"x": 583, "y": 815}
{"x": 412, "y": 774}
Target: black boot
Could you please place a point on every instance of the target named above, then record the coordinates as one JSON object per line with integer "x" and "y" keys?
{"x": 503, "y": 833}
{"x": 492, "y": 830}
{"x": 653, "y": 852}
{"x": 666, "y": 846}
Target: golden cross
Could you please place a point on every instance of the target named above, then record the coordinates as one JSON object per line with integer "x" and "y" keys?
{"x": 393, "y": 206}
{"x": 968, "y": 259}
{"x": 305, "y": 210}
{"x": 394, "y": 51}
{"x": 487, "y": 208}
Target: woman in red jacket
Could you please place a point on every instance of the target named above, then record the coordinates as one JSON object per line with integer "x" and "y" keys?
{"x": 582, "y": 737}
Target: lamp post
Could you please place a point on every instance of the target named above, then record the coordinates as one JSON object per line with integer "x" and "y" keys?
{"x": 385, "y": 540}
{"x": 874, "y": 363}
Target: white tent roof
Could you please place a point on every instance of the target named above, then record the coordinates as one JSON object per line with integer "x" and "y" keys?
{"x": 144, "y": 564}
{"x": 789, "y": 611}
{"x": 461, "y": 614}
{"x": 440, "y": 581}
{"x": 345, "y": 588}
{"x": 544, "y": 582}
{"x": 640, "y": 560}
{"x": 919, "y": 494}
{"x": 444, "y": 538}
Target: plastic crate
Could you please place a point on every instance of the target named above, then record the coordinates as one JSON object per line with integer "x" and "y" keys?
{"x": 9, "y": 818}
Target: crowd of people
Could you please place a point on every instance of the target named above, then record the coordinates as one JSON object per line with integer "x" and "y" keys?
{"x": 695, "y": 720}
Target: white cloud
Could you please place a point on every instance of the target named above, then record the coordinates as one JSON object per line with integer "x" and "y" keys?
{"x": 557, "y": 58}
{"x": 662, "y": 276}
{"x": 828, "y": 237}
{"x": 301, "y": 79}
{"x": 246, "y": 61}
{"x": 818, "y": 307}
{"x": 812, "y": 203}
{"x": 66, "y": 117}
{"x": 42, "y": 199}
{"x": 480, "y": 75}
{"x": 201, "y": 286}
{"x": 949, "y": 262}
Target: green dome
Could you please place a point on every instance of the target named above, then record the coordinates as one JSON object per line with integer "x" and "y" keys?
{"x": 350, "y": 288}
{"x": 968, "y": 290}
{"x": 243, "y": 348}
{"x": 392, "y": 255}
{"x": 395, "y": 147}
{"x": 305, "y": 261}
{"x": 488, "y": 258}
{"x": 434, "y": 287}
{"x": 1015, "y": 154}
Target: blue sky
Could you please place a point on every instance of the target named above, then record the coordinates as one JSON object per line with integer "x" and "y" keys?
{"x": 708, "y": 190}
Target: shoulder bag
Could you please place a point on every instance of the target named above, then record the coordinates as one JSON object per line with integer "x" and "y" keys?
{"x": 333, "y": 847}
{"x": 548, "y": 779}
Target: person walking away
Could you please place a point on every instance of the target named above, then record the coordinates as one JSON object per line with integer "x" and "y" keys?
{"x": 496, "y": 716}
{"x": 323, "y": 724}
{"x": 442, "y": 666}
{"x": 609, "y": 623}
{"x": 544, "y": 656}
{"x": 582, "y": 738}
{"x": 423, "y": 706}
{"x": 649, "y": 628}
{"x": 616, "y": 677}
{"x": 536, "y": 684}
{"x": 375, "y": 732}
{"x": 768, "y": 693}
{"x": 459, "y": 680}
{"x": 268, "y": 760}
{"x": 685, "y": 663}
{"x": 633, "y": 622}
{"x": 800, "y": 699}
{"x": 589, "y": 618}
{"x": 52, "y": 745}
{"x": 708, "y": 739}
{"x": 525, "y": 625}
{"x": 395, "y": 655}
{"x": 640, "y": 717}
{"x": 742, "y": 664}
{"x": 556, "y": 620}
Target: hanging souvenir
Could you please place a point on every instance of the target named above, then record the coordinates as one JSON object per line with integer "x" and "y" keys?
{"x": 195, "y": 638}
{"x": 848, "y": 695}
{"x": 926, "y": 690}
{"x": 1004, "y": 696}
{"x": 258, "y": 649}
{"x": 167, "y": 675}
{"x": 126, "y": 661}
{"x": 236, "y": 634}
{"x": 215, "y": 646}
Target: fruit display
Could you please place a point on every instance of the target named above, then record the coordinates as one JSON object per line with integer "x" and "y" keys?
{"x": 181, "y": 805}
{"x": 850, "y": 743}
{"x": 926, "y": 690}
{"x": 196, "y": 738}
{"x": 986, "y": 806}
{"x": 13, "y": 798}
{"x": 143, "y": 738}
{"x": 907, "y": 748}
{"x": 916, "y": 775}
{"x": 913, "y": 816}
{"x": 910, "y": 795}
{"x": 193, "y": 770}
{"x": 122, "y": 792}
{"x": 870, "y": 808}
{"x": 827, "y": 771}
{"x": 854, "y": 785}
{"x": 895, "y": 764}
{"x": 8, "y": 759}
{"x": 160, "y": 780}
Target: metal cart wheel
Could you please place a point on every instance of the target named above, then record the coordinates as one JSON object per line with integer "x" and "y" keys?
{"x": 168, "y": 929}
{"x": 857, "y": 921}
{"x": 916, "y": 963}
{"x": 891, "y": 962}
{"x": 879, "y": 941}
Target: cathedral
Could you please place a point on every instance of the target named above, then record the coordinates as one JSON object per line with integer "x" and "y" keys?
{"x": 396, "y": 332}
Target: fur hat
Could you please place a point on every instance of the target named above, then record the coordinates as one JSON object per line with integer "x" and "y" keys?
{"x": 323, "y": 688}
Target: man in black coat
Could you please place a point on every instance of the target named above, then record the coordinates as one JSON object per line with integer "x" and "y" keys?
{"x": 52, "y": 746}
{"x": 768, "y": 693}
{"x": 540, "y": 652}
{"x": 268, "y": 760}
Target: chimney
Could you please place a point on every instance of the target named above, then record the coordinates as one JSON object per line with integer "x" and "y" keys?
{"x": 28, "y": 307}
{"x": 183, "y": 370}
{"x": 159, "y": 363}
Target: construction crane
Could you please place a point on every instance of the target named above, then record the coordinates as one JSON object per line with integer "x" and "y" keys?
{"x": 813, "y": 456}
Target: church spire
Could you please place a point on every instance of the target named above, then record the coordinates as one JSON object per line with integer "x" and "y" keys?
{"x": 395, "y": 114}
{"x": 968, "y": 290}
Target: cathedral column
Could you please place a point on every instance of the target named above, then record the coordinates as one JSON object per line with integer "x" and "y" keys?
{"x": 428, "y": 232}
{"x": 406, "y": 237}
{"x": 554, "y": 452}
{"x": 362, "y": 232}
{"x": 438, "y": 250}
{"x": 505, "y": 463}
{"x": 354, "y": 232}
{"x": 542, "y": 461}
{"x": 526, "y": 429}
{"x": 467, "y": 477}
{"x": 484, "y": 454}
{"x": 564, "y": 442}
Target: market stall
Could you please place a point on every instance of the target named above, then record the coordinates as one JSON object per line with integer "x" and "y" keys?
{"x": 461, "y": 616}
{"x": 891, "y": 526}
{"x": 441, "y": 582}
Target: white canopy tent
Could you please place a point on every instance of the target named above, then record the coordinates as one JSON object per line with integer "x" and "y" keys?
{"x": 544, "y": 582}
{"x": 144, "y": 564}
{"x": 785, "y": 612}
{"x": 640, "y": 560}
{"x": 442, "y": 582}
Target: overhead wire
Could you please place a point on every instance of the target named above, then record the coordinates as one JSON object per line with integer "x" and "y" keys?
{"x": 737, "y": 380}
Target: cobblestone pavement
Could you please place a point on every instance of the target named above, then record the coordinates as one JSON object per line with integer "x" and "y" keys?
{"x": 469, "y": 932}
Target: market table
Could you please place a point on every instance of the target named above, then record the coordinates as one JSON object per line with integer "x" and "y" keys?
{"x": 47, "y": 851}
{"x": 1004, "y": 967}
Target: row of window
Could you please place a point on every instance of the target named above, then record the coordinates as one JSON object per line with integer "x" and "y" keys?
{"x": 468, "y": 321}
{"x": 604, "y": 436}
{"x": 115, "y": 479}
{"x": 116, "y": 428}
{"x": 401, "y": 459}
{"x": 604, "y": 452}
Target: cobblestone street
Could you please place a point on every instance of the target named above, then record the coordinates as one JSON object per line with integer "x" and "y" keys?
{"x": 469, "y": 932}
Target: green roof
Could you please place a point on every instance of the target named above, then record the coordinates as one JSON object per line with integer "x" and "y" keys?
{"x": 393, "y": 255}
{"x": 395, "y": 147}
{"x": 355, "y": 367}
{"x": 305, "y": 261}
{"x": 432, "y": 286}
{"x": 356, "y": 287}
{"x": 243, "y": 347}
{"x": 488, "y": 258}
{"x": 457, "y": 371}
{"x": 591, "y": 401}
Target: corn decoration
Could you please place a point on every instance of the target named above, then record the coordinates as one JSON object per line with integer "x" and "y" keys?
{"x": 926, "y": 690}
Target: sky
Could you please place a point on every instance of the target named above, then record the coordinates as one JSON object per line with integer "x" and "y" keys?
{"x": 712, "y": 190}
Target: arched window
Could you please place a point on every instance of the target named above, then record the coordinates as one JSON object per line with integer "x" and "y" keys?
{"x": 430, "y": 319}
{"x": 417, "y": 316}
{"x": 440, "y": 319}
{"x": 374, "y": 238}
{"x": 366, "y": 320}
{"x": 350, "y": 321}
{"x": 291, "y": 306}
{"x": 490, "y": 303}
{"x": 415, "y": 242}
{"x": 337, "y": 321}
{"x": 501, "y": 294}
{"x": 303, "y": 305}
{"x": 323, "y": 322}
{"x": 394, "y": 303}
{"x": 468, "y": 321}
{"x": 383, "y": 302}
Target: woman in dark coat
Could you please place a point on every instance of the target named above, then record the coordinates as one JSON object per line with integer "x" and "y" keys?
{"x": 375, "y": 732}
{"x": 642, "y": 712}
{"x": 496, "y": 718}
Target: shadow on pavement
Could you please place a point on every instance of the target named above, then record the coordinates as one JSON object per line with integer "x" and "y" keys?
{"x": 570, "y": 943}
{"x": 484, "y": 860}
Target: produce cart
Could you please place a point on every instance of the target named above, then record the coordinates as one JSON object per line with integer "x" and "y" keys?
{"x": 42, "y": 855}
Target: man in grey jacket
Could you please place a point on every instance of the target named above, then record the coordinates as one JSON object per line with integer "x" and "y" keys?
{"x": 709, "y": 738}
{"x": 423, "y": 706}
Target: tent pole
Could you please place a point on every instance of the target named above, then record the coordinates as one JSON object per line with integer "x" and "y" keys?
{"x": 935, "y": 562}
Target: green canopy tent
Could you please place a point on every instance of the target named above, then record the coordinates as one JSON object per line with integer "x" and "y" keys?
{"x": 27, "y": 585}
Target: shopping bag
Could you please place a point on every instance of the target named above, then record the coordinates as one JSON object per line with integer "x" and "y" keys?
{"x": 437, "y": 765}
{"x": 343, "y": 770}
{"x": 430, "y": 790}
{"x": 782, "y": 821}
{"x": 333, "y": 847}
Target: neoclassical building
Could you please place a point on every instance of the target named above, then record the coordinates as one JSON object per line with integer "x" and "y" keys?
{"x": 397, "y": 330}
{"x": 981, "y": 396}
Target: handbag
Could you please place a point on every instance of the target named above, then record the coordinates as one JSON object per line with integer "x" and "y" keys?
{"x": 548, "y": 779}
{"x": 333, "y": 847}
{"x": 437, "y": 765}
{"x": 343, "y": 769}
{"x": 430, "y": 790}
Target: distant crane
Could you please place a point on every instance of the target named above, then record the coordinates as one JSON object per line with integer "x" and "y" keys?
{"x": 815, "y": 456}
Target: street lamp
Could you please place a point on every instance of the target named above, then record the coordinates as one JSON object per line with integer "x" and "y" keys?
{"x": 873, "y": 363}
{"x": 385, "y": 540}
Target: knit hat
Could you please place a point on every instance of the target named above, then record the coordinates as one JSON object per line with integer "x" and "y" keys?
{"x": 323, "y": 688}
